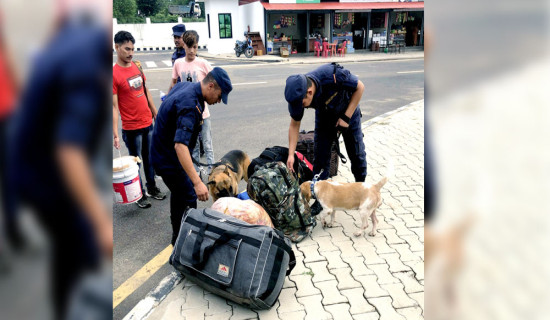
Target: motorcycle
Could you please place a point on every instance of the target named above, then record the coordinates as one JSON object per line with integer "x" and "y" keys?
{"x": 244, "y": 47}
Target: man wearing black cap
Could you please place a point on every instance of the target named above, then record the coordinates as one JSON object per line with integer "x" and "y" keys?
{"x": 334, "y": 93}
{"x": 176, "y": 129}
{"x": 177, "y": 32}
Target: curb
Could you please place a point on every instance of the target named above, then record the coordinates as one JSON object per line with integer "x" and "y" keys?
{"x": 313, "y": 61}
{"x": 388, "y": 114}
{"x": 146, "y": 306}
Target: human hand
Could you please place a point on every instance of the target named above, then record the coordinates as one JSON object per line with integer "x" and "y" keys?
{"x": 342, "y": 125}
{"x": 116, "y": 142}
{"x": 290, "y": 162}
{"x": 105, "y": 239}
{"x": 202, "y": 191}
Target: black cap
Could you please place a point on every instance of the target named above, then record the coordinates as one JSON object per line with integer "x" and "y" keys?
{"x": 222, "y": 78}
{"x": 295, "y": 91}
{"x": 178, "y": 30}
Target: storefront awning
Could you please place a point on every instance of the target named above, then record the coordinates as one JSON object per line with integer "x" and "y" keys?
{"x": 351, "y": 6}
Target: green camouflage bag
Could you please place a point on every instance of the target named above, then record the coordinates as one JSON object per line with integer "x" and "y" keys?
{"x": 275, "y": 188}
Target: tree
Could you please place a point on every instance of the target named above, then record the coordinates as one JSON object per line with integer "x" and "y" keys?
{"x": 148, "y": 8}
{"x": 124, "y": 10}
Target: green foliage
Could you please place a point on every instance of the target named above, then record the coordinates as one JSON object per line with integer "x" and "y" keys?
{"x": 124, "y": 9}
{"x": 148, "y": 8}
{"x": 164, "y": 18}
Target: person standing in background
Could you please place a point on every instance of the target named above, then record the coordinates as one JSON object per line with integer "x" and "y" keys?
{"x": 134, "y": 102}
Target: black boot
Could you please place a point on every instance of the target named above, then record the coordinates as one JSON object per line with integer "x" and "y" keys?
{"x": 316, "y": 208}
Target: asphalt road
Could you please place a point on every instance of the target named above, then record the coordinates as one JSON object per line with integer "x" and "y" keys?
{"x": 255, "y": 117}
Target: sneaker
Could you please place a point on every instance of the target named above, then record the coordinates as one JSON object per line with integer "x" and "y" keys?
{"x": 143, "y": 202}
{"x": 156, "y": 194}
{"x": 316, "y": 208}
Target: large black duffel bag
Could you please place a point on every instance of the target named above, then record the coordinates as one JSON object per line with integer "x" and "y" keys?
{"x": 242, "y": 262}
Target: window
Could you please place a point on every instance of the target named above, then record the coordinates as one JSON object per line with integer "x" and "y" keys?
{"x": 225, "y": 25}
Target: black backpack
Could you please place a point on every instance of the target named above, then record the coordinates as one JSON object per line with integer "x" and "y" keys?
{"x": 278, "y": 153}
{"x": 306, "y": 146}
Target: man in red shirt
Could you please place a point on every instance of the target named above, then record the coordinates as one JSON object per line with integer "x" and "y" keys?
{"x": 137, "y": 110}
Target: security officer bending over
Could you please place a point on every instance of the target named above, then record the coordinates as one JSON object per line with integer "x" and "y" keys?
{"x": 334, "y": 93}
{"x": 176, "y": 129}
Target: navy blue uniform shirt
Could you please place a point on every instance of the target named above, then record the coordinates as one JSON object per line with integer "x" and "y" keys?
{"x": 335, "y": 85}
{"x": 179, "y": 53}
{"x": 178, "y": 121}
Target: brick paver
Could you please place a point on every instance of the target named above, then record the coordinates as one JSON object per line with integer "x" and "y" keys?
{"x": 338, "y": 275}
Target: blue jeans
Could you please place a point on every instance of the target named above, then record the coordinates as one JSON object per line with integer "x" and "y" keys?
{"x": 139, "y": 141}
{"x": 207, "y": 143}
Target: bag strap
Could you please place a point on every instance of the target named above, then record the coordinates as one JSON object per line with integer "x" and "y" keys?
{"x": 292, "y": 257}
{"x": 199, "y": 258}
{"x": 138, "y": 65}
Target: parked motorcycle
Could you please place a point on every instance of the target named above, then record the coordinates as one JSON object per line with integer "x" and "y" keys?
{"x": 244, "y": 47}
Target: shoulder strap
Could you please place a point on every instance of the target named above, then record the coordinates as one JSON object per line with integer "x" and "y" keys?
{"x": 138, "y": 65}
{"x": 336, "y": 66}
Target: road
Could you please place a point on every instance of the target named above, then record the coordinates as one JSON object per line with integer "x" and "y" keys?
{"x": 255, "y": 117}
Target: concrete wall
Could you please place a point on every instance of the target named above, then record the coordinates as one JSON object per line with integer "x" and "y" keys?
{"x": 215, "y": 7}
{"x": 241, "y": 17}
{"x": 150, "y": 36}
{"x": 253, "y": 15}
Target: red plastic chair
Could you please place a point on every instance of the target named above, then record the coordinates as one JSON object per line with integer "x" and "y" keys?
{"x": 317, "y": 49}
{"x": 325, "y": 49}
{"x": 342, "y": 49}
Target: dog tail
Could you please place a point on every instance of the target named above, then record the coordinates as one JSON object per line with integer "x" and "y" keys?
{"x": 387, "y": 176}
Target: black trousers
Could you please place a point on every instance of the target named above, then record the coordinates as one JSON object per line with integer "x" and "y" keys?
{"x": 182, "y": 197}
{"x": 326, "y": 133}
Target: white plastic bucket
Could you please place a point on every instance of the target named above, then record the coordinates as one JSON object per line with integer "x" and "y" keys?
{"x": 126, "y": 180}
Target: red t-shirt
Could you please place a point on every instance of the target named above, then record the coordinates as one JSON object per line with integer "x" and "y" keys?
{"x": 7, "y": 90}
{"x": 132, "y": 102}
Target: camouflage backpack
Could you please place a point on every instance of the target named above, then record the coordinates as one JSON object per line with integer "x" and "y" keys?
{"x": 275, "y": 188}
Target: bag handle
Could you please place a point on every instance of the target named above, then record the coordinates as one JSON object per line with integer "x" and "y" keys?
{"x": 199, "y": 258}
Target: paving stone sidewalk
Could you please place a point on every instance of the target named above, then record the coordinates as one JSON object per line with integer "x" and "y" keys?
{"x": 337, "y": 275}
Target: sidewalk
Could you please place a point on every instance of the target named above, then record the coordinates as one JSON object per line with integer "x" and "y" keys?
{"x": 307, "y": 58}
{"x": 337, "y": 275}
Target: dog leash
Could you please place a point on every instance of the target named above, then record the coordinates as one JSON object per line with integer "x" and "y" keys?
{"x": 342, "y": 157}
{"x": 313, "y": 182}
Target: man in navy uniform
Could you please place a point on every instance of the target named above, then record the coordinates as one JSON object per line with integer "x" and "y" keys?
{"x": 176, "y": 130}
{"x": 177, "y": 32}
{"x": 334, "y": 93}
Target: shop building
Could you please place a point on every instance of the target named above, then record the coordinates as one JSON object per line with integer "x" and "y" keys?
{"x": 296, "y": 23}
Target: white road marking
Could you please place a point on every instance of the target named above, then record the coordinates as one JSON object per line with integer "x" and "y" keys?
{"x": 247, "y": 83}
{"x": 167, "y": 62}
{"x": 151, "y": 64}
{"x": 416, "y": 71}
